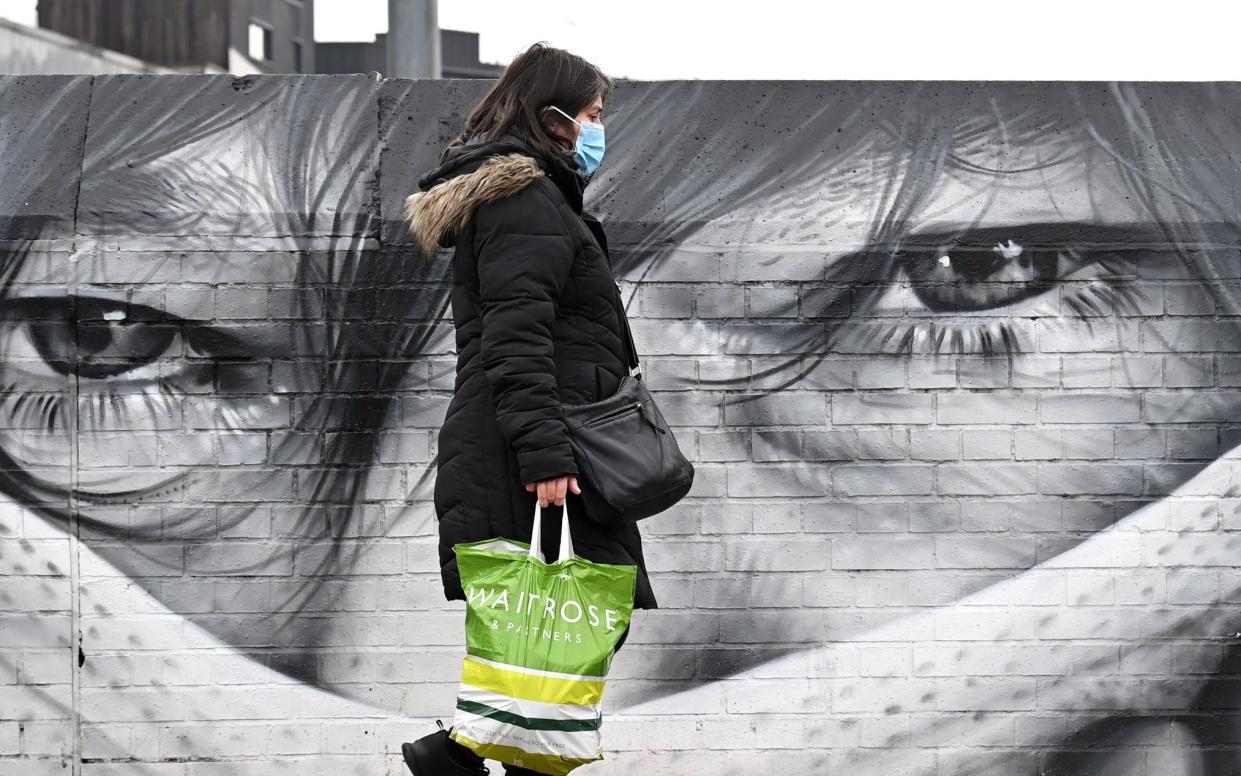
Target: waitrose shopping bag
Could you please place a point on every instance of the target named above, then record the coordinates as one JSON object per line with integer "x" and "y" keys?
{"x": 539, "y": 642}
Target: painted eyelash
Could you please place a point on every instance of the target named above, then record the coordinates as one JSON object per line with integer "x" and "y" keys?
{"x": 926, "y": 337}
{"x": 100, "y": 408}
{"x": 992, "y": 338}
{"x": 20, "y": 408}
{"x": 105, "y": 409}
{"x": 1103, "y": 296}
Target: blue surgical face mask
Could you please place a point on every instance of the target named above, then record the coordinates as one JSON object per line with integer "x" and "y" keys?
{"x": 589, "y": 149}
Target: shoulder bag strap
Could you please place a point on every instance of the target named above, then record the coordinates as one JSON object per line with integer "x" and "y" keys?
{"x": 635, "y": 368}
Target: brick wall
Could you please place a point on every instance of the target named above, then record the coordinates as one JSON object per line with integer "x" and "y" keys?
{"x": 958, "y": 364}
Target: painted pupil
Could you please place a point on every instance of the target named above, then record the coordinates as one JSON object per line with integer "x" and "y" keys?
{"x": 980, "y": 275}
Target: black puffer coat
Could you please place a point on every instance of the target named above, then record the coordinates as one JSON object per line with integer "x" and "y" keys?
{"x": 537, "y": 317}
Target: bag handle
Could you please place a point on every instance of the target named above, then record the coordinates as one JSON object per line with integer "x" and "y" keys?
{"x": 536, "y": 536}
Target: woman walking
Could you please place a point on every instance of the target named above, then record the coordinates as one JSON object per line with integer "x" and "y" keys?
{"x": 538, "y": 322}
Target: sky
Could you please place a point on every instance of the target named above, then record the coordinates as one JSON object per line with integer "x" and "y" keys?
{"x": 829, "y": 39}
{"x": 1190, "y": 40}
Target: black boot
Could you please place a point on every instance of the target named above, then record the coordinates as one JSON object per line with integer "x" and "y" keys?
{"x": 438, "y": 755}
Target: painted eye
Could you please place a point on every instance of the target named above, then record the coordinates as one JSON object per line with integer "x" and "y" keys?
{"x": 965, "y": 278}
{"x": 104, "y": 344}
{"x": 116, "y": 371}
{"x": 989, "y": 268}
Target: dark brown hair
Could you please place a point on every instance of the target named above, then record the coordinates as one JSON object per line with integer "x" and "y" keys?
{"x": 538, "y": 77}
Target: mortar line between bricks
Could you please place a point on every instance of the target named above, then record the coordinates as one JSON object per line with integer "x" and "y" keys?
{"x": 75, "y": 531}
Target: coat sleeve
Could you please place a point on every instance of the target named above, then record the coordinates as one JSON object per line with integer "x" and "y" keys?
{"x": 524, "y": 258}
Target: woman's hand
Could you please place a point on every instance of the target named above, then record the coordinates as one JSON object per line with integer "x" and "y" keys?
{"x": 554, "y": 489}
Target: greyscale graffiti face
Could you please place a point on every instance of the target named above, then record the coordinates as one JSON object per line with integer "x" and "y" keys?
{"x": 934, "y": 343}
{"x": 1021, "y": 301}
{"x": 199, "y": 318}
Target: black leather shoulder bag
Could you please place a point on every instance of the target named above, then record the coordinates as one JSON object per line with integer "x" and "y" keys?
{"x": 629, "y": 464}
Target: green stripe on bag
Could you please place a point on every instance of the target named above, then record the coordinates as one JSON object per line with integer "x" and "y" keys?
{"x": 529, "y": 723}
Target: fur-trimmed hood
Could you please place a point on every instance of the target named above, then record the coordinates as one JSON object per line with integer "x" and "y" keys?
{"x": 446, "y": 207}
{"x": 476, "y": 172}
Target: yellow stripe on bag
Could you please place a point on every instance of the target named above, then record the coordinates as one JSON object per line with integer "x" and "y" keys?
{"x": 531, "y": 687}
{"x": 543, "y": 763}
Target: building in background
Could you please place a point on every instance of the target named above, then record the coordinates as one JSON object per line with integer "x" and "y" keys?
{"x": 458, "y": 50}
{"x": 26, "y": 50}
{"x": 202, "y": 36}
{"x": 194, "y": 36}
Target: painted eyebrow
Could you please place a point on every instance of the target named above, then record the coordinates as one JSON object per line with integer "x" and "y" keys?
{"x": 1134, "y": 236}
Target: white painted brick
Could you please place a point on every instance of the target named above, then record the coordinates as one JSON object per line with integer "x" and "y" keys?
{"x": 934, "y": 444}
{"x": 883, "y": 480}
{"x": 1036, "y": 372}
{"x": 882, "y": 590}
{"x": 771, "y": 302}
{"x": 853, "y": 696}
{"x": 988, "y": 479}
{"x": 778, "y": 590}
{"x": 1181, "y": 371}
{"x": 882, "y": 517}
{"x": 684, "y": 556}
{"x": 46, "y": 667}
{"x": 821, "y": 516}
{"x": 47, "y": 738}
{"x": 720, "y": 445}
{"x": 776, "y": 555}
{"x": 989, "y": 408}
{"x": 763, "y": 480}
{"x": 903, "y": 553}
{"x": 1077, "y": 336}
{"x": 883, "y": 444}
{"x": 779, "y": 445}
{"x": 1010, "y": 694}
{"x": 1089, "y": 408}
{"x": 776, "y": 696}
{"x": 41, "y": 766}
{"x": 881, "y": 408}
{"x": 932, "y": 373}
{"x": 1193, "y": 587}
{"x": 874, "y": 374}
{"x": 983, "y": 373}
{"x": 130, "y": 704}
{"x": 1088, "y": 444}
{"x": 835, "y": 445}
{"x": 1087, "y": 371}
{"x": 984, "y": 552}
{"x": 10, "y": 736}
{"x": 989, "y": 444}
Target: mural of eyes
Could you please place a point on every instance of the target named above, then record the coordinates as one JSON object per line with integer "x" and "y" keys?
{"x": 142, "y": 382}
{"x": 969, "y": 292}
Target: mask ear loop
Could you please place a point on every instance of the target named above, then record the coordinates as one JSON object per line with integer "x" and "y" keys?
{"x": 567, "y": 116}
